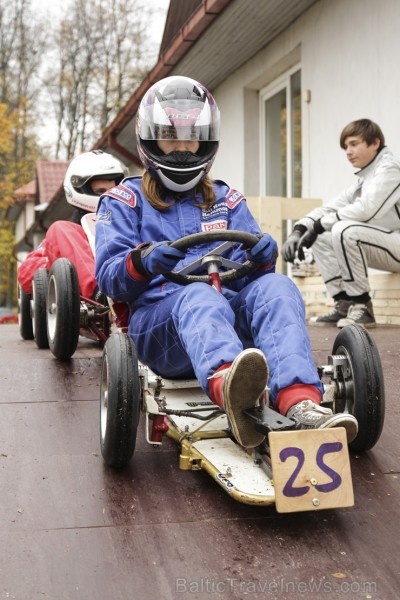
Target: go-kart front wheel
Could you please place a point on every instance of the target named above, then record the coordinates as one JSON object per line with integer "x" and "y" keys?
{"x": 63, "y": 309}
{"x": 25, "y": 315}
{"x": 360, "y": 385}
{"x": 39, "y": 298}
{"x": 120, "y": 400}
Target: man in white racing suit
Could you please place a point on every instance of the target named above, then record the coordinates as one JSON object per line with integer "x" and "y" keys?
{"x": 358, "y": 229}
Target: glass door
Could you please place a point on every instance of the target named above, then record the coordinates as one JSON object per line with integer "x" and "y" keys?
{"x": 281, "y": 167}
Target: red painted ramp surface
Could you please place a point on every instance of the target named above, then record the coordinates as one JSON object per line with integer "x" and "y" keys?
{"x": 70, "y": 528}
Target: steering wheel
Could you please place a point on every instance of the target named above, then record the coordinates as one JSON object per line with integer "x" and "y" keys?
{"x": 237, "y": 270}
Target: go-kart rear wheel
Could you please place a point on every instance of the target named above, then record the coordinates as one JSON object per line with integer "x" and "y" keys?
{"x": 63, "y": 309}
{"x": 361, "y": 389}
{"x": 39, "y": 298}
{"x": 120, "y": 400}
{"x": 25, "y": 315}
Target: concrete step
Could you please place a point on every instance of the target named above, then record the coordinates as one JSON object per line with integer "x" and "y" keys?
{"x": 385, "y": 293}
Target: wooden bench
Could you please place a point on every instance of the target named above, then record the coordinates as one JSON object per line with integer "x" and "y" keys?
{"x": 272, "y": 213}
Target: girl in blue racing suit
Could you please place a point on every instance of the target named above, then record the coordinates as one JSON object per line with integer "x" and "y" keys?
{"x": 235, "y": 342}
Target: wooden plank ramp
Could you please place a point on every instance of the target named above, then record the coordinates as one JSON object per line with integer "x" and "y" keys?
{"x": 72, "y": 529}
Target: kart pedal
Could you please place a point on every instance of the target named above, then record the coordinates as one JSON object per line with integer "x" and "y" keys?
{"x": 268, "y": 420}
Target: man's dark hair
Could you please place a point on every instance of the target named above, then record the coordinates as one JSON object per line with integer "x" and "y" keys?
{"x": 367, "y": 130}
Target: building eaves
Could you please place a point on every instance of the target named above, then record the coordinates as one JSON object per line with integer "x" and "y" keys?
{"x": 178, "y": 14}
{"x": 26, "y": 192}
{"x": 22, "y": 195}
{"x": 208, "y": 11}
{"x": 216, "y": 40}
{"x": 13, "y": 211}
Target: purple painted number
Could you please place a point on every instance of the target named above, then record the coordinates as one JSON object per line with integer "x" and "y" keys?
{"x": 290, "y": 490}
{"x": 336, "y": 479}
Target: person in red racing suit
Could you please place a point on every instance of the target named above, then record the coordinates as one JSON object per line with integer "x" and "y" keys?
{"x": 236, "y": 341}
{"x": 88, "y": 176}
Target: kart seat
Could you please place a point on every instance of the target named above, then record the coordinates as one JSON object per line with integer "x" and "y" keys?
{"x": 120, "y": 310}
{"x": 88, "y": 223}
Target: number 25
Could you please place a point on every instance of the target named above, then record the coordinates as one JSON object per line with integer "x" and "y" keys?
{"x": 290, "y": 490}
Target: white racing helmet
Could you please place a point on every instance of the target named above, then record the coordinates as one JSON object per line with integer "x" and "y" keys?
{"x": 95, "y": 164}
{"x": 178, "y": 108}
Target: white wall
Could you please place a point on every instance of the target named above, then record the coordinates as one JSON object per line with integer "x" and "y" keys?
{"x": 229, "y": 163}
{"x": 350, "y": 64}
{"x": 348, "y": 51}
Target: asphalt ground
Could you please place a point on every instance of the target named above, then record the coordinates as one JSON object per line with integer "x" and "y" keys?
{"x": 71, "y": 528}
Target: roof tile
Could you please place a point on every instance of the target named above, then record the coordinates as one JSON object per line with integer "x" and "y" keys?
{"x": 50, "y": 176}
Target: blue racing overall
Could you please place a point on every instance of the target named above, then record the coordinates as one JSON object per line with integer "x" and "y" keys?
{"x": 185, "y": 331}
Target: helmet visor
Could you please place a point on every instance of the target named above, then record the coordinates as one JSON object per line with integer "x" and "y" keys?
{"x": 80, "y": 181}
{"x": 195, "y": 118}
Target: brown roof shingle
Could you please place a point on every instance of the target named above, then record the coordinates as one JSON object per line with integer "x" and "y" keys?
{"x": 26, "y": 192}
{"x": 50, "y": 177}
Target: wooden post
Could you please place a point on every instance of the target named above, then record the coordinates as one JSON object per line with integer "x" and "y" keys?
{"x": 271, "y": 211}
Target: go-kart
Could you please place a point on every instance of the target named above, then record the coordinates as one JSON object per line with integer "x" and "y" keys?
{"x": 56, "y": 313}
{"x": 295, "y": 470}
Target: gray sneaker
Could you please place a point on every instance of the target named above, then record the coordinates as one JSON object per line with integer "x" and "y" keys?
{"x": 359, "y": 314}
{"x": 309, "y": 415}
{"x": 339, "y": 312}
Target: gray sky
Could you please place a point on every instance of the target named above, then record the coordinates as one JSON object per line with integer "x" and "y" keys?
{"x": 56, "y": 8}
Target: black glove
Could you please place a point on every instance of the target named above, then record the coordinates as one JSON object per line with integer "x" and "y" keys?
{"x": 290, "y": 246}
{"x": 308, "y": 238}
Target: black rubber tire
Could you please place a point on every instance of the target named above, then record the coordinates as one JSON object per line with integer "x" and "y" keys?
{"x": 63, "y": 309}
{"x": 39, "y": 299}
{"x": 120, "y": 400}
{"x": 25, "y": 315}
{"x": 363, "y": 385}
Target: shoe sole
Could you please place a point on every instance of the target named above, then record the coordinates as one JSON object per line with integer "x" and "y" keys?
{"x": 365, "y": 325}
{"x": 243, "y": 386}
{"x": 343, "y": 420}
{"x": 320, "y": 324}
